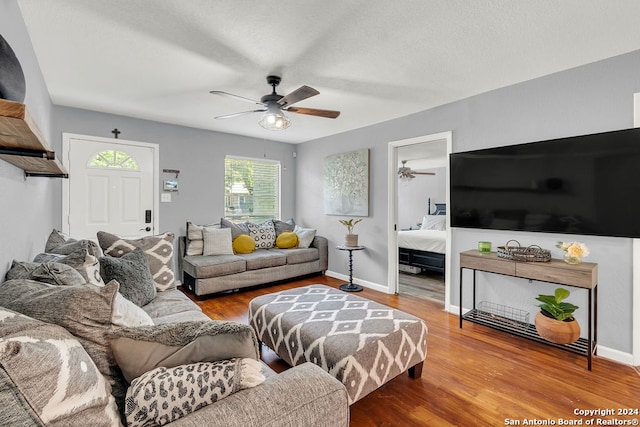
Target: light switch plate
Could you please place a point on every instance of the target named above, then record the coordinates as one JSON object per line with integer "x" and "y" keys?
{"x": 165, "y": 197}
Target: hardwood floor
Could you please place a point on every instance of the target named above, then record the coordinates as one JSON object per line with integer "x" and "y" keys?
{"x": 427, "y": 284}
{"x": 473, "y": 376}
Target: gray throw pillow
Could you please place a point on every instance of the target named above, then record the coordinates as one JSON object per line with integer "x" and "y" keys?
{"x": 132, "y": 272}
{"x": 141, "y": 349}
{"x": 58, "y": 243}
{"x": 21, "y": 269}
{"x": 58, "y": 274}
{"x": 236, "y": 228}
{"x": 80, "y": 259}
{"x": 282, "y": 226}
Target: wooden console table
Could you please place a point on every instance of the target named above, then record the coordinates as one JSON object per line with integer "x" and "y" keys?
{"x": 583, "y": 275}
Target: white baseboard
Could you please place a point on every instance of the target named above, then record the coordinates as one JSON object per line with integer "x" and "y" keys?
{"x": 606, "y": 352}
{"x": 375, "y": 286}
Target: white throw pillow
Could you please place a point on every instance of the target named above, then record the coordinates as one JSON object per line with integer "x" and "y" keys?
{"x": 217, "y": 241}
{"x": 433, "y": 222}
{"x": 127, "y": 314}
{"x": 305, "y": 236}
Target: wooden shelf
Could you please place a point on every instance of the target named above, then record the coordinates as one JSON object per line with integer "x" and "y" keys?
{"x": 23, "y": 145}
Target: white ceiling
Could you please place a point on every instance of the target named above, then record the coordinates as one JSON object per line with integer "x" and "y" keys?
{"x": 373, "y": 60}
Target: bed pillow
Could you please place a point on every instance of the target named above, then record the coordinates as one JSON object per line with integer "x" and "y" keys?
{"x": 131, "y": 271}
{"x": 264, "y": 234}
{"x": 186, "y": 389}
{"x": 47, "y": 377}
{"x": 243, "y": 244}
{"x": 158, "y": 250}
{"x": 217, "y": 241}
{"x": 305, "y": 236}
{"x": 433, "y": 222}
{"x": 80, "y": 259}
{"x": 139, "y": 350}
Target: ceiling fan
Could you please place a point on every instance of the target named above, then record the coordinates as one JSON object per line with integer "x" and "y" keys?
{"x": 274, "y": 105}
{"x": 405, "y": 173}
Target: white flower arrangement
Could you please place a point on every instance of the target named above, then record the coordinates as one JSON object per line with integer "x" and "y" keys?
{"x": 574, "y": 249}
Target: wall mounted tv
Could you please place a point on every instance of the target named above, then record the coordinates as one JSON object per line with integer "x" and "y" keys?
{"x": 586, "y": 184}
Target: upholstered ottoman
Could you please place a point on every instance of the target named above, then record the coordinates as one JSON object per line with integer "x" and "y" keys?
{"x": 360, "y": 342}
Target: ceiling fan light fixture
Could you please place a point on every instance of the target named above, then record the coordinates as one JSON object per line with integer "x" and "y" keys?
{"x": 274, "y": 119}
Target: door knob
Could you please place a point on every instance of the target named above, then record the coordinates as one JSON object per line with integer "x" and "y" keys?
{"x": 146, "y": 229}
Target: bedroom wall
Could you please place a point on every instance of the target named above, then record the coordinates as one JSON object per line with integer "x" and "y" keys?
{"x": 27, "y": 208}
{"x": 592, "y": 98}
{"x": 413, "y": 196}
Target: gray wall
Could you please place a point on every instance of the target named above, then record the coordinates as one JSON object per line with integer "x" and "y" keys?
{"x": 593, "y": 98}
{"x": 27, "y": 204}
{"x": 197, "y": 154}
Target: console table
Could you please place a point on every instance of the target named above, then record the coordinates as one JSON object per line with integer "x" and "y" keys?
{"x": 583, "y": 276}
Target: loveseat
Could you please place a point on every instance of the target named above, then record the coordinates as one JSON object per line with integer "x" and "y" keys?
{"x": 70, "y": 350}
{"x": 227, "y": 266}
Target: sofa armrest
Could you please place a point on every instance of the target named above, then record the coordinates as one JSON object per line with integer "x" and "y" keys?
{"x": 323, "y": 247}
{"x": 302, "y": 396}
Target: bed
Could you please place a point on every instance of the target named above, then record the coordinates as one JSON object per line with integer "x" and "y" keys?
{"x": 425, "y": 249}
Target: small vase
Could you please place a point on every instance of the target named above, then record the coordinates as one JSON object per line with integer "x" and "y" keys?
{"x": 571, "y": 259}
{"x": 351, "y": 240}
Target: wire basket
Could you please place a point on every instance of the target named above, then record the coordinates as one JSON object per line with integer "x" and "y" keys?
{"x": 503, "y": 314}
{"x": 532, "y": 253}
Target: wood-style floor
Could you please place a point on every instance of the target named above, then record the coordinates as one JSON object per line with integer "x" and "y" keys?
{"x": 473, "y": 376}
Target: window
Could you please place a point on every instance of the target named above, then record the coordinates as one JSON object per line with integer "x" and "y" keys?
{"x": 251, "y": 189}
{"x": 113, "y": 159}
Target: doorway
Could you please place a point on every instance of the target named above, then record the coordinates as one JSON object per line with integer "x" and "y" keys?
{"x": 111, "y": 187}
{"x": 421, "y": 262}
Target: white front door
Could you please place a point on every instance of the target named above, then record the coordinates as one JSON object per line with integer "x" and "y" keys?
{"x": 110, "y": 187}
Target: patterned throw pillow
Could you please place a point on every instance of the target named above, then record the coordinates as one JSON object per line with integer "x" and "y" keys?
{"x": 57, "y": 381}
{"x": 264, "y": 234}
{"x": 80, "y": 259}
{"x": 163, "y": 395}
{"x": 157, "y": 249}
{"x": 131, "y": 271}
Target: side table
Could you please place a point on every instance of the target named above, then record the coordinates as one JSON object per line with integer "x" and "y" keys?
{"x": 350, "y": 287}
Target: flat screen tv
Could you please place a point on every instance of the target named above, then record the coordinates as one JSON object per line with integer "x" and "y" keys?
{"x": 586, "y": 184}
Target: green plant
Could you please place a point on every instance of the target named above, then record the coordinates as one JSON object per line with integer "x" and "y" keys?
{"x": 350, "y": 223}
{"x": 554, "y": 307}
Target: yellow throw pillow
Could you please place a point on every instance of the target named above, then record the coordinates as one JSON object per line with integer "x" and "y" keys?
{"x": 243, "y": 244}
{"x": 287, "y": 240}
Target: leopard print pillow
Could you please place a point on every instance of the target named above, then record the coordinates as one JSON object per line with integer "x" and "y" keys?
{"x": 163, "y": 395}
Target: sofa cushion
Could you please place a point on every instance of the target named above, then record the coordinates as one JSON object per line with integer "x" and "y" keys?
{"x": 264, "y": 258}
{"x": 217, "y": 241}
{"x": 243, "y": 244}
{"x": 287, "y": 240}
{"x": 85, "y": 311}
{"x": 132, "y": 272}
{"x": 80, "y": 259}
{"x": 202, "y": 267}
{"x": 299, "y": 256}
{"x": 264, "y": 234}
{"x": 186, "y": 389}
{"x": 47, "y": 378}
{"x": 173, "y": 306}
{"x": 139, "y": 350}
{"x": 158, "y": 250}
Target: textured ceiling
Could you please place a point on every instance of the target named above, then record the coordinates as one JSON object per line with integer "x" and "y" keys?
{"x": 372, "y": 60}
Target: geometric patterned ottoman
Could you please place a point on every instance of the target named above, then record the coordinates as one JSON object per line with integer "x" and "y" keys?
{"x": 360, "y": 342}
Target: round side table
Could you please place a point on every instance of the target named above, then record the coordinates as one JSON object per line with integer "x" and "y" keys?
{"x": 350, "y": 287}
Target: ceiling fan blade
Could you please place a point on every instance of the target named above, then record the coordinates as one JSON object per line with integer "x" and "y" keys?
{"x": 423, "y": 173}
{"x": 303, "y": 92}
{"x": 329, "y": 114}
{"x": 238, "y": 97}
{"x": 228, "y": 116}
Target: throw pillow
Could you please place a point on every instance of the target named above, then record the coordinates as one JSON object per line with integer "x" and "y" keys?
{"x": 282, "y": 226}
{"x": 58, "y": 243}
{"x": 264, "y": 234}
{"x": 243, "y": 244}
{"x": 48, "y": 376}
{"x": 305, "y": 236}
{"x": 85, "y": 311}
{"x": 80, "y": 259}
{"x": 157, "y": 249}
{"x": 139, "y": 350}
{"x": 58, "y": 274}
{"x": 21, "y": 269}
{"x": 186, "y": 389}
{"x": 236, "y": 229}
{"x": 287, "y": 240}
{"x": 194, "y": 238}
{"x": 131, "y": 271}
{"x": 126, "y": 314}
{"x": 217, "y": 241}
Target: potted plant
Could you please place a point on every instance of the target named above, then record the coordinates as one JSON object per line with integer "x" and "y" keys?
{"x": 350, "y": 239}
{"x": 554, "y": 322}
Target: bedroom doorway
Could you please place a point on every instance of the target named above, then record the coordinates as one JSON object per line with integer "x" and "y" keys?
{"x": 418, "y": 197}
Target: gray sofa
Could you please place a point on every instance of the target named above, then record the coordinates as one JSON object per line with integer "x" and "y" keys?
{"x": 210, "y": 274}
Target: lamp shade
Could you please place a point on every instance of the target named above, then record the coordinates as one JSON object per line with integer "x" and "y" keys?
{"x": 274, "y": 119}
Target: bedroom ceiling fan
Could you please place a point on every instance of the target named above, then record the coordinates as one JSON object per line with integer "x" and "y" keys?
{"x": 405, "y": 173}
{"x": 273, "y": 105}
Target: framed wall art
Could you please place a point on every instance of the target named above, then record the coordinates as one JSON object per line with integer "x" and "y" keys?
{"x": 346, "y": 183}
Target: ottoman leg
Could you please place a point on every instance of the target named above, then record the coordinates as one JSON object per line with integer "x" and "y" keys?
{"x": 416, "y": 371}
